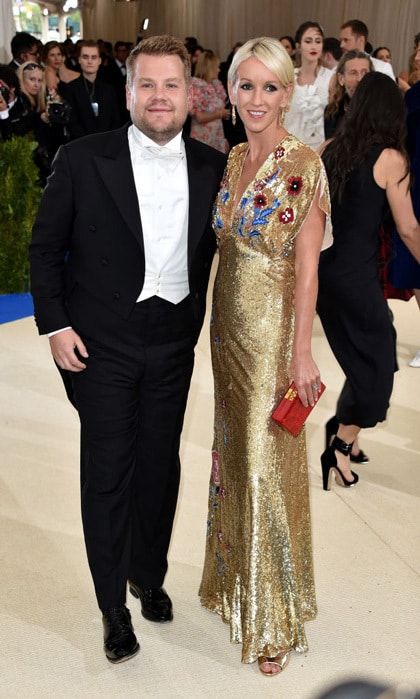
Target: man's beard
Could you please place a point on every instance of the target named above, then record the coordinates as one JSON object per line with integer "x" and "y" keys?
{"x": 160, "y": 135}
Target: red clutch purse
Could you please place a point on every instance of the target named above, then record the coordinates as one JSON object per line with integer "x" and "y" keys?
{"x": 291, "y": 413}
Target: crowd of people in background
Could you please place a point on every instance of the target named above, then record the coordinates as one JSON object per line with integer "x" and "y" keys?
{"x": 61, "y": 91}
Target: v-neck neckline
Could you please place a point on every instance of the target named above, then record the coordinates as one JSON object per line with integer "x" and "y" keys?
{"x": 236, "y": 203}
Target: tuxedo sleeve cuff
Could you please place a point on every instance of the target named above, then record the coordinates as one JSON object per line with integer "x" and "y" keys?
{"x": 55, "y": 332}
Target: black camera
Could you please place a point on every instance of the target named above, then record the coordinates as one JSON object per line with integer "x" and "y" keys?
{"x": 5, "y": 93}
{"x": 59, "y": 113}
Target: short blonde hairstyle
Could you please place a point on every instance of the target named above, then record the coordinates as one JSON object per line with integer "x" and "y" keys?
{"x": 205, "y": 65}
{"x": 271, "y": 53}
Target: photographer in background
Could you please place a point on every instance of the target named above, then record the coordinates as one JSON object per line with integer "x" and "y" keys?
{"x": 16, "y": 116}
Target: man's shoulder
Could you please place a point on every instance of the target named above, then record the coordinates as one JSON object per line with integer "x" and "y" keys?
{"x": 205, "y": 152}
{"x": 98, "y": 143}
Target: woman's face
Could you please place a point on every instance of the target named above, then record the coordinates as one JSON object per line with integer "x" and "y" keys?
{"x": 288, "y": 46}
{"x": 384, "y": 55}
{"x": 311, "y": 45}
{"x": 32, "y": 81}
{"x": 259, "y": 97}
{"x": 55, "y": 58}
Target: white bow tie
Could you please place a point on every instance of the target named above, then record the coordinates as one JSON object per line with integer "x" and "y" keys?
{"x": 152, "y": 152}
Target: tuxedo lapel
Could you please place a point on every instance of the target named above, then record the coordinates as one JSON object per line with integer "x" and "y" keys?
{"x": 115, "y": 169}
{"x": 201, "y": 195}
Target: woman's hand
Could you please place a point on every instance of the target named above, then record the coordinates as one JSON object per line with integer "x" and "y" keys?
{"x": 305, "y": 373}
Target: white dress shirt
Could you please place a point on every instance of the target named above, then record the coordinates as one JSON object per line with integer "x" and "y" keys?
{"x": 162, "y": 191}
{"x": 122, "y": 67}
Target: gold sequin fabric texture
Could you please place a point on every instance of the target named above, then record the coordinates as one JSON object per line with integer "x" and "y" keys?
{"x": 258, "y": 572}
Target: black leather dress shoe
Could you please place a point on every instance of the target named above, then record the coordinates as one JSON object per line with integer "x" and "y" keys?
{"x": 120, "y": 642}
{"x": 156, "y": 605}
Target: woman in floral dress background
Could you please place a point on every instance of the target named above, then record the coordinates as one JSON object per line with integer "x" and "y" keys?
{"x": 208, "y": 103}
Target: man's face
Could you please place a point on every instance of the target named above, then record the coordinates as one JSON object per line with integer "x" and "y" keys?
{"x": 31, "y": 55}
{"x": 354, "y": 71}
{"x": 159, "y": 97}
{"x": 90, "y": 61}
{"x": 350, "y": 41}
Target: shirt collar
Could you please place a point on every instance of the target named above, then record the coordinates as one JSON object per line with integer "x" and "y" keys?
{"x": 140, "y": 139}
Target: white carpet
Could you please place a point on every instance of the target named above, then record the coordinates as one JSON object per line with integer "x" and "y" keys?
{"x": 366, "y": 544}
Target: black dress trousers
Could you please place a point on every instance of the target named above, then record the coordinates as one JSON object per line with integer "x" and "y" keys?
{"x": 131, "y": 401}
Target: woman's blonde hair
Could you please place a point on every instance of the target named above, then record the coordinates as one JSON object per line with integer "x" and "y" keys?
{"x": 206, "y": 63}
{"x": 39, "y": 102}
{"x": 271, "y": 53}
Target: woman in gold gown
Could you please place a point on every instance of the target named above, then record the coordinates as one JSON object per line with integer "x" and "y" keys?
{"x": 270, "y": 219}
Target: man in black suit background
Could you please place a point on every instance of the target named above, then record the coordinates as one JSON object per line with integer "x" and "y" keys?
{"x": 94, "y": 106}
{"x": 120, "y": 260}
{"x": 114, "y": 72}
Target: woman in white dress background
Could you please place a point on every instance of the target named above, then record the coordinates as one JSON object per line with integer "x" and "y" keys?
{"x": 305, "y": 117}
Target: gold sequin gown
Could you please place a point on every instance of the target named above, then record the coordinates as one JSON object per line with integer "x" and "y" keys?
{"x": 258, "y": 572}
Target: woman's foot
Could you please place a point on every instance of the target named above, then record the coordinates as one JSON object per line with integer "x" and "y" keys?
{"x": 343, "y": 463}
{"x": 273, "y": 666}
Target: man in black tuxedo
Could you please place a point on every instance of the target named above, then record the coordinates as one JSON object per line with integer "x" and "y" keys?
{"x": 120, "y": 260}
{"x": 94, "y": 105}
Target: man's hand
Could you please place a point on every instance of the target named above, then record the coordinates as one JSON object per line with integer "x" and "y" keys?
{"x": 63, "y": 345}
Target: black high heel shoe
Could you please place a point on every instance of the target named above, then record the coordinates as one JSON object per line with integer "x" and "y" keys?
{"x": 331, "y": 429}
{"x": 329, "y": 464}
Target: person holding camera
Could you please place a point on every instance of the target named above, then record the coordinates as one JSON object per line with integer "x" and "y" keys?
{"x": 16, "y": 115}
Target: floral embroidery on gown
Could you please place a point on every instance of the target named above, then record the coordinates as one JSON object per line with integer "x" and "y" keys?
{"x": 258, "y": 572}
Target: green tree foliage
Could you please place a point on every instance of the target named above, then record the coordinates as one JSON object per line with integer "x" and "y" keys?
{"x": 19, "y": 198}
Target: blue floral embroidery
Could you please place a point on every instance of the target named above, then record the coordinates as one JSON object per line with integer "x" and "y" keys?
{"x": 225, "y": 196}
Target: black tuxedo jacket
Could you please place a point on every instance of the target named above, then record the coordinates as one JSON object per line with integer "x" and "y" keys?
{"x": 88, "y": 229}
{"x": 82, "y": 119}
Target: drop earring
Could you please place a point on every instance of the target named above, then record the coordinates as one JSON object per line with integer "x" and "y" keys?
{"x": 233, "y": 115}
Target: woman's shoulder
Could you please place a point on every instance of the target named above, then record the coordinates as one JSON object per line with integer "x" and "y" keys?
{"x": 299, "y": 150}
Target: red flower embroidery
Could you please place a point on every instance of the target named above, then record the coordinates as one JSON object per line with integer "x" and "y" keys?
{"x": 259, "y": 185}
{"x": 260, "y": 200}
{"x": 279, "y": 152}
{"x": 220, "y": 536}
{"x": 295, "y": 185}
{"x": 286, "y": 215}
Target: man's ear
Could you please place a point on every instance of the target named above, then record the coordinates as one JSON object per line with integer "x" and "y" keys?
{"x": 128, "y": 97}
